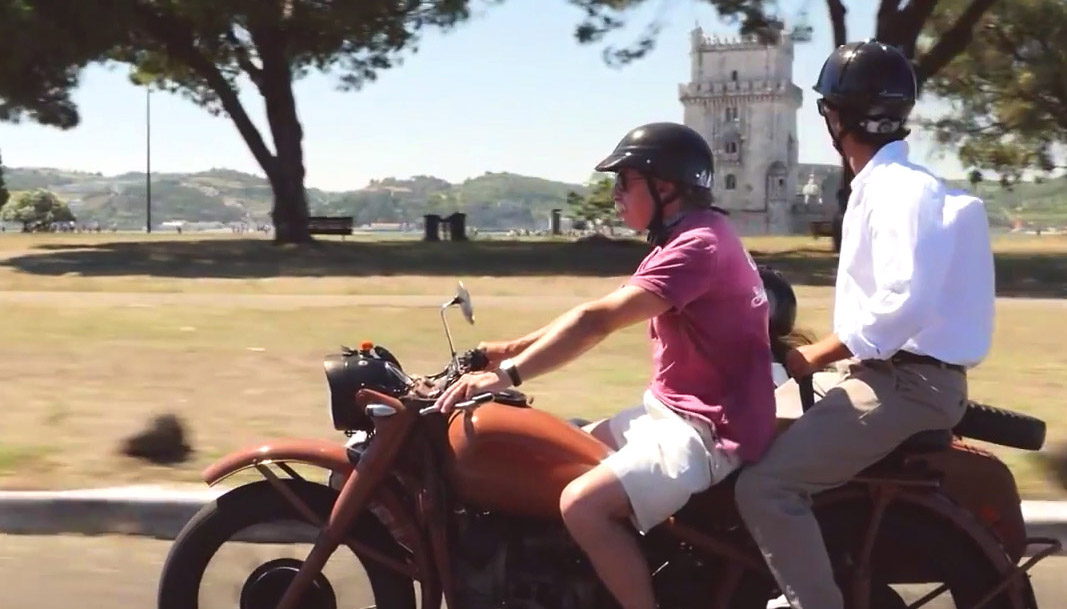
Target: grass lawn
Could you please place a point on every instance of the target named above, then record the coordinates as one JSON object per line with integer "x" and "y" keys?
{"x": 78, "y": 372}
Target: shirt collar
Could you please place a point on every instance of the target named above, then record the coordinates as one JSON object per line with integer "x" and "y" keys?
{"x": 893, "y": 151}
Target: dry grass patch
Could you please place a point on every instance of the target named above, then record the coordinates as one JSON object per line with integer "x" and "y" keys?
{"x": 77, "y": 380}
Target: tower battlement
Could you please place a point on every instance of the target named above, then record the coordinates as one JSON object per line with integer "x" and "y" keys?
{"x": 700, "y": 42}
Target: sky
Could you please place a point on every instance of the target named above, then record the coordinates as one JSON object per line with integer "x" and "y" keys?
{"x": 509, "y": 90}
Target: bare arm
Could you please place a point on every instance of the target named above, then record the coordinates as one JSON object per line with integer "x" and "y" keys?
{"x": 828, "y": 351}
{"x": 584, "y": 326}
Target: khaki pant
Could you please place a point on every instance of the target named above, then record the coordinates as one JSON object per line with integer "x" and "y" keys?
{"x": 868, "y": 412}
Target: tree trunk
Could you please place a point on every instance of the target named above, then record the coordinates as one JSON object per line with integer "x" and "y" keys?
{"x": 290, "y": 211}
{"x": 3, "y": 189}
{"x": 285, "y": 169}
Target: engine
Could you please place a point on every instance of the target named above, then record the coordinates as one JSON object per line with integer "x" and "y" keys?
{"x": 520, "y": 564}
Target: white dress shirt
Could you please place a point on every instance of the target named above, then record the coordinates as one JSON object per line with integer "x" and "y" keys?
{"x": 915, "y": 272}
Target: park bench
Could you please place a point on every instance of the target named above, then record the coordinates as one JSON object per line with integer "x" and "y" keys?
{"x": 331, "y": 225}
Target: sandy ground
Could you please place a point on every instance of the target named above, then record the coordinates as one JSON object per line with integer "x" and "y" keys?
{"x": 110, "y": 572}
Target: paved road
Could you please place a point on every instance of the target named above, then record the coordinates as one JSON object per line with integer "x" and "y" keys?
{"x": 118, "y": 572}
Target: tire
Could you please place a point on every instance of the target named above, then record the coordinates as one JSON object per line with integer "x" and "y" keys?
{"x": 884, "y": 597}
{"x": 1002, "y": 427}
{"x": 258, "y": 503}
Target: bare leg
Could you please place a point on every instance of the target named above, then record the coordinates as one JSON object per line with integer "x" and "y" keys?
{"x": 595, "y": 508}
{"x": 601, "y": 430}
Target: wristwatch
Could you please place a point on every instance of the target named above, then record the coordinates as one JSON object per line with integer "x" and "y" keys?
{"x": 509, "y": 368}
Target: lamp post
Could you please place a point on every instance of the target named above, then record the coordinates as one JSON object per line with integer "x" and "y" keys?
{"x": 148, "y": 159}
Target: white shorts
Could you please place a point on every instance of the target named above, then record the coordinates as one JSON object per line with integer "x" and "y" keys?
{"x": 664, "y": 459}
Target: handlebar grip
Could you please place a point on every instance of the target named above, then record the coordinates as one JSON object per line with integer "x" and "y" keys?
{"x": 807, "y": 392}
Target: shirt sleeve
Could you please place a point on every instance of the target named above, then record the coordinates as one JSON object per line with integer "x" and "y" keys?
{"x": 910, "y": 252}
{"x": 682, "y": 271}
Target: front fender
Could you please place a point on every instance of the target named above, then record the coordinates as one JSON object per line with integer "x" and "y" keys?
{"x": 320, "y": 453}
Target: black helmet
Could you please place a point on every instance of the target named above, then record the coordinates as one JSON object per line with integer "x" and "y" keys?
{"x": 781, "y": 300}
{"x": 668, "y": 151}
{"x": 871, "y": 84}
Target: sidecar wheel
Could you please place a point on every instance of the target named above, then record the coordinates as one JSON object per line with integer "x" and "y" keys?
{"x": 259, "y": 503}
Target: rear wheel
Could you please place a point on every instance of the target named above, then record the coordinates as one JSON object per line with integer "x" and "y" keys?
{"x": 912, "y": 545}
{"x": 259, "y": 503}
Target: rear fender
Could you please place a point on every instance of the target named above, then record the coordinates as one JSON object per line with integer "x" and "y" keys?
{"x": 326, "y": 455}
{"x": 983, "y": 485}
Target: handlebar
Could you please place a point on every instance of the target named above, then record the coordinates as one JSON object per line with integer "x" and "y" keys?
{"x": 466, "y": 404}
{"x": 807, "y": 392}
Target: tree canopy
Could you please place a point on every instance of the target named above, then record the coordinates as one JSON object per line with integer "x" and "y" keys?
{"x": 1007, "y": 90}
{"x": 36, "y": 210}
{"x": 202, "y": 48}
{"x": 898, "y": 22}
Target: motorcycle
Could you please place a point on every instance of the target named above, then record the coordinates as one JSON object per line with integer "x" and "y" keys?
{"x": 465, "y": 507}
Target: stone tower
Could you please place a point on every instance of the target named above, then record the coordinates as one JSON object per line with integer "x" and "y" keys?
{"x": 742, "y": 99}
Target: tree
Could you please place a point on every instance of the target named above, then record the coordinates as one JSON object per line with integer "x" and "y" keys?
{"x": 1008, "y": 92}
{"x": 39, "y": 65}
{"x": 37, "y": 210}
{"x": 899, "y": 23}
{"x": 200, "y": 48}
{"x": 598, "y": 207}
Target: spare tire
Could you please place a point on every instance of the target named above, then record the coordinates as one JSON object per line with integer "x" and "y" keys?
{"x": 1001, "y": 427}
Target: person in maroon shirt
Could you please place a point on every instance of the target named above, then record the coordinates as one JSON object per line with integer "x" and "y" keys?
{"x": 709, "y": 407}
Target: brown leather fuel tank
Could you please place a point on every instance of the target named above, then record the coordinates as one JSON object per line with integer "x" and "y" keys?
{"x": 518, "y": 460}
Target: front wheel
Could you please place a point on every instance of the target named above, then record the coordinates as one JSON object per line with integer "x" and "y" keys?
{"x": 257, "y": 504}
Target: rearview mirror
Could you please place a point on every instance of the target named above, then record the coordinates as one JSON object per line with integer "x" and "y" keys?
{"x": 463, "y": 299}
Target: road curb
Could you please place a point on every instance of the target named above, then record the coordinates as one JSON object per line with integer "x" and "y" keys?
{"x": 162, "y": 512}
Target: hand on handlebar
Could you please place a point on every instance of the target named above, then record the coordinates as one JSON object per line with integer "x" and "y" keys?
{"x": 798, "y": 363}
{"x": 470, "y": 385}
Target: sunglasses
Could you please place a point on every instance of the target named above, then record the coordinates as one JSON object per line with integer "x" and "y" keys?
{"x": 621, "y": 182}
{"x": 824, "y": 106}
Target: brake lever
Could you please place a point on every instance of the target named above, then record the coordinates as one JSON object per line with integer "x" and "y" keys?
{"x": 464, "y": 405}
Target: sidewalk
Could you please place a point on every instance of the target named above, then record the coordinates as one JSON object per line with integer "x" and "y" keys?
{"x": 161, "y": 512}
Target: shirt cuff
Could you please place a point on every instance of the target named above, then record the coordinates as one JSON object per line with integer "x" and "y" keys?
{"x": 860, "y": 347}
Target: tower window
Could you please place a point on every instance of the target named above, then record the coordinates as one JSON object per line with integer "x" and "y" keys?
{"x": 731, "y": 181}
{"x": 731, "y": 147}
{"x": 733, "y": 75}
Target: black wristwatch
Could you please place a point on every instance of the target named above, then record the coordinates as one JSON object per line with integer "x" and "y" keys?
{"x": 509, "y": 368}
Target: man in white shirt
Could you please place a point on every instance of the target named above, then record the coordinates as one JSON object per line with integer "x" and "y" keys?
{"x": 913, "y": 310}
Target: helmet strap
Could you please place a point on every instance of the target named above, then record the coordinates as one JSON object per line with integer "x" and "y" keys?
{"x": 836, "y": 139}
{"x": 657, "y": 233}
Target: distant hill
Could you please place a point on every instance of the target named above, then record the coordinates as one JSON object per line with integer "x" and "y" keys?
{"x": 224, "y": 195}
{"x": 492, "y": 200}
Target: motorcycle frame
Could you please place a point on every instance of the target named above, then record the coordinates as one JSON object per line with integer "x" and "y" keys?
{"x": 422, "y": 522}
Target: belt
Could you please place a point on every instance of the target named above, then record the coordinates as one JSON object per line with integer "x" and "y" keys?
{"x": 907, "y": 357}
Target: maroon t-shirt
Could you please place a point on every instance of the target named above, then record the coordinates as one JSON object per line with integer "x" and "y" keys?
{"x": 711, "y": 353}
